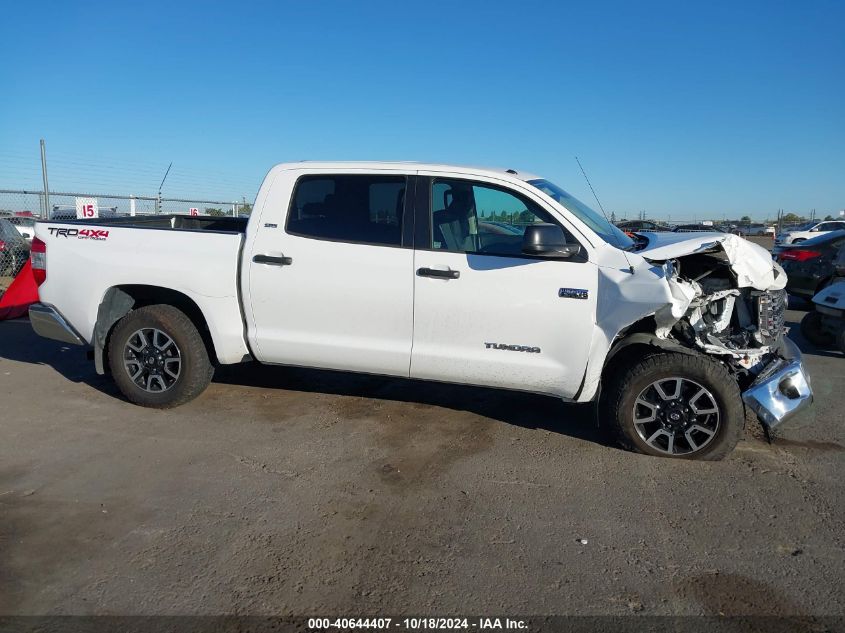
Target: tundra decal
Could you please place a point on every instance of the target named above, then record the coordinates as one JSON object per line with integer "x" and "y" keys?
{"x": 513, "y": 348}
{"x": 80, "y": 234}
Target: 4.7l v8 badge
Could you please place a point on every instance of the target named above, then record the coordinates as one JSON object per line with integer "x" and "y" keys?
{"x": 573, "y": 293}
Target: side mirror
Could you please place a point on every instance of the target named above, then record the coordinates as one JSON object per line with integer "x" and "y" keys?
{"x": 548, "y": 240}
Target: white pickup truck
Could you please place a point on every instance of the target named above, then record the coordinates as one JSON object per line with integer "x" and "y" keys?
{"x": 435, "y": 272}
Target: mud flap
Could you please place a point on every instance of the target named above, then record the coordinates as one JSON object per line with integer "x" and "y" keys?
{"x": 116, "y": 304}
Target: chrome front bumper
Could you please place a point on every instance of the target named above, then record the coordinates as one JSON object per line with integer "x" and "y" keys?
{"x": 49, "y": 323}
{"x": 781, "y": 390}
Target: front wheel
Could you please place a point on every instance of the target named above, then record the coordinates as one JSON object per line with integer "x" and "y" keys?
{"x": 158, "y": 357}
{"x": 675, "y": 405}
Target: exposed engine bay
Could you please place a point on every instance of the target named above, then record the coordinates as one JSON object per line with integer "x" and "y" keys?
{"x": 740, "y": 323}
{"x": 723, "y": 308}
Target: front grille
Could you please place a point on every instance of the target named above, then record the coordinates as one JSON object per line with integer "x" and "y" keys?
{"x": 771, "y": 315}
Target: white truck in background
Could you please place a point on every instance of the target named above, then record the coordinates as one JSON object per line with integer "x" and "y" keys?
{"x": 435, "y": 272}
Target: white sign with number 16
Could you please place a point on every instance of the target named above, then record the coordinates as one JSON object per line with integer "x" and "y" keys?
{"x": 87, "y": 208}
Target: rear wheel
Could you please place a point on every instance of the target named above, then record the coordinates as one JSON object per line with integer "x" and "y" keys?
{"x": 675, "y": 405}
{"x": 811, "y": 329}
{"x": 158, "y": 358}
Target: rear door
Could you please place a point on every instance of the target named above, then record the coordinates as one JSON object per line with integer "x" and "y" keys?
{"x": 332, "y": 286}
{"x": 485, "y": 313}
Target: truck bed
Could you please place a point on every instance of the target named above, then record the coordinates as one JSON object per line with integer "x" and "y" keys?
{"x": 195, "y": 256}
{"x": 177, "y": 222}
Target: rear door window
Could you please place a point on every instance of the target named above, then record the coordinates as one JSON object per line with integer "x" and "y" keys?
{"x": 366, "y": 209}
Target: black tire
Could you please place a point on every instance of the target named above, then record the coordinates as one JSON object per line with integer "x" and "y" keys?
{"x": 811, "y": 329}
{"x": 623, "y": 387}
{"x": 195, "y": 370}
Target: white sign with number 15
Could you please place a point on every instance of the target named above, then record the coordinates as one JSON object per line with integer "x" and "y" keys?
{"x": 87, "y": 208}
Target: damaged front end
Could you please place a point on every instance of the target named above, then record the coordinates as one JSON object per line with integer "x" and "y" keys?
{"x": 729, "y": 301}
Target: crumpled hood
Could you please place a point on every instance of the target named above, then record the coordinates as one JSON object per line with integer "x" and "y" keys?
{"x": 752, "y": 264}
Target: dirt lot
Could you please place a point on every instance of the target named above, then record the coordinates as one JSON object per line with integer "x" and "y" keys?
{"x": 286, "y": 491}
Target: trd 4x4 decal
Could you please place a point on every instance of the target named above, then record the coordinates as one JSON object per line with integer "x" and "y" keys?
{"x": 81, "y": 234}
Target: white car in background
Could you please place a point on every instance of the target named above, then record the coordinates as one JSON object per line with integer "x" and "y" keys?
{"x": 809, "y": 231}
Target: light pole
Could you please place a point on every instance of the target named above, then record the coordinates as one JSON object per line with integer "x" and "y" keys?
{"x": 44, "y": 176}
{"x": 158, "y": 200}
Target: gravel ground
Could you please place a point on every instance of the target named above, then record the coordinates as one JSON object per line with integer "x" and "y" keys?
{"x": 285, "y": 491}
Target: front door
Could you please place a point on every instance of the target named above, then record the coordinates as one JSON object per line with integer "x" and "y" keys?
{"x": 485, "y": 313}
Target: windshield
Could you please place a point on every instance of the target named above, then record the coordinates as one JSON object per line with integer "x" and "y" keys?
{"x": 597, "y": 222}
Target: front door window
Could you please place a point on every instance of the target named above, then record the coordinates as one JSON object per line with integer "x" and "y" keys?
{"x": 469, "y": 217}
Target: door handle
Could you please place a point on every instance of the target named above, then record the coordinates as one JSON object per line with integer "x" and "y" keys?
{"x": 438, "y": 274}
{"x": 270, "y": 260}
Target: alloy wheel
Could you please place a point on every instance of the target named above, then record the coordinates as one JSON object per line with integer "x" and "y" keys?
{"x": 676, "y": 416}
{"x": 152, "y": 360}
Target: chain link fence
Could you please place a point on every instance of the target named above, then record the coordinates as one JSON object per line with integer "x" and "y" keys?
{"x": 62, "y": 205}
{"x": 15, "y": 237}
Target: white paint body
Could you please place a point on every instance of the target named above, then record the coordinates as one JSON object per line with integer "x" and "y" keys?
{"x": 361, "y": 307}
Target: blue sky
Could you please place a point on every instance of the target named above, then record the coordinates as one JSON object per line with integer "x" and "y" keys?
{"x": 680, "y": 109}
